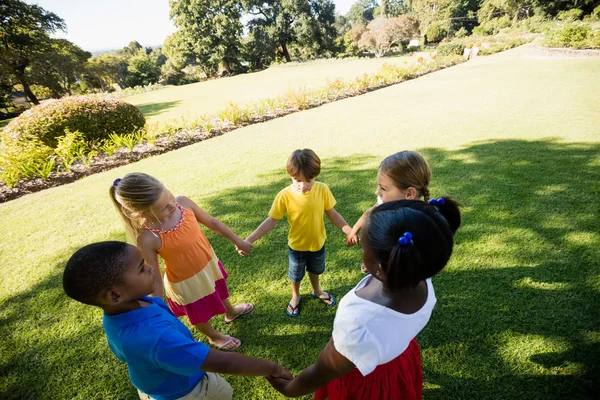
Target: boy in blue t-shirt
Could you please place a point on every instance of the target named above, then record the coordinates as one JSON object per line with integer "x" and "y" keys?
{"x": 163, "y": 359}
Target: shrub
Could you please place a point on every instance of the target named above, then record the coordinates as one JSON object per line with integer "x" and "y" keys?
{"x": 461, "y": 33}
{"x": 436, "y": 33}
{"x": 596, "y": 12}
{"x": 570, "y": 15}
{"x": 576, "y": 35}
{"x": 446, "y": 49}
{"x": 94, "y": 117}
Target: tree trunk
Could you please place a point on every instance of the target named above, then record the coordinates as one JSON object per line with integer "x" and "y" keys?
{"x": 20, "y": 74}
{"x": 226, "y": 65}
{"x": 286, "y": 53}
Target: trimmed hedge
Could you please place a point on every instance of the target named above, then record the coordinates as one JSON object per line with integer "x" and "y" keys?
{"x": 451, "y": 48}
{"x": 95, "y": 118}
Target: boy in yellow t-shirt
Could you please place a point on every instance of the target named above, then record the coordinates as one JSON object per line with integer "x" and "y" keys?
{"x": 304, "y": 202}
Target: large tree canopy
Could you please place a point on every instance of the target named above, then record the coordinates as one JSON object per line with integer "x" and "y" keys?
{"x": 211, "y": 30}
{"x": 24, "y": 37}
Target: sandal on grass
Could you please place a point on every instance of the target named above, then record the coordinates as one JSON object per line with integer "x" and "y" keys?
{"x": 295, "y": 310}
{"x": 227, "y": 345}
{"x": 248, "y": 307}
{"x": 330, "y": 300}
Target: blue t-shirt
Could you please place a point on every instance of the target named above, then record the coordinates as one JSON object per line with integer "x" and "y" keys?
{"x": 162, "y": 356}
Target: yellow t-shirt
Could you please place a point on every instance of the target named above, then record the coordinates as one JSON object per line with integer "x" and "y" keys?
{"x": 305, "y": 215}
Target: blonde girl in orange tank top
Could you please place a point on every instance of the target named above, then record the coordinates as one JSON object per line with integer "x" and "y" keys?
{"x": 167, "y": 226}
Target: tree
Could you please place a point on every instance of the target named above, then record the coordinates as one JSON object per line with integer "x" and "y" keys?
{"x": 211, "y": 30}
{"x": 314, "y": 29}
{"x": 132, "y": 48}
{"x": 362, "y": 12}
{"x": 60, "y": 67}
{"x": 142, "y": 70}
{"x": 307, "y": 25}
{"x": 384, "y": 33}
{"x": 105, "y": 70}
{"x": 24, "y": 36}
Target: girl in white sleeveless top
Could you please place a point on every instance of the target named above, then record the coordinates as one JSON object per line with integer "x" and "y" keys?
{"x": 373, "y": 352}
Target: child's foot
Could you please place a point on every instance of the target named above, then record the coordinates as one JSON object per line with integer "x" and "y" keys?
{"x": 228, "y": 343}
{"x": 363, "y": 269}
{"x": 241, "y": 309}
{"x": 326, "y": 298}
{"x": 293, "y": 308}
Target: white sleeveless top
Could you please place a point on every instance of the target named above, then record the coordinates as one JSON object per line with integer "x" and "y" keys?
{"x": 369, "y": 334}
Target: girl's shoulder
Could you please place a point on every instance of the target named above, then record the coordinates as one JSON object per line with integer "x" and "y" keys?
{"x": 148, "y": 240}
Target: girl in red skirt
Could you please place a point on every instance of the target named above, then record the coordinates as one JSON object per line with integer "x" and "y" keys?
{"x": 373, "y": 352}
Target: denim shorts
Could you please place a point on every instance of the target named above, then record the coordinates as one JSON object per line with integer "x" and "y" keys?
{"x": 311, "y": 261}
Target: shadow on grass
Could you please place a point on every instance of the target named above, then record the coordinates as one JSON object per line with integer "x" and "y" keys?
{"x": 517, "y": 312}
{"x": 151, "y": 109}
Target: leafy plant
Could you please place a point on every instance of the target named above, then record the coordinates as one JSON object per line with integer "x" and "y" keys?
{"x": 129, "y": 141}
{"x": 69, "y": 148}
{"x": 205, "y": 123}
{"x": 108, "y": 147}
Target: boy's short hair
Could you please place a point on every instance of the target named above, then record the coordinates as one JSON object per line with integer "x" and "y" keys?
{"x": 94, "y": 268}
{"x": 305, "y": 162}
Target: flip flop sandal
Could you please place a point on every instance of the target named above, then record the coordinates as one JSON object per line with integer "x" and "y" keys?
{"x": 295, "y": 310}
{"x": 227, "y": 343}
{"x": 325, "y": 300}
{"x": 248, "y": 307}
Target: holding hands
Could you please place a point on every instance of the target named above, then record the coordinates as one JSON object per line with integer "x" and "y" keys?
{"x": 243, "y": 247}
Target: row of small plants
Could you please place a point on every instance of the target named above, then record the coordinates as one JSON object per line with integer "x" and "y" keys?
{"x": 31, "y": 157}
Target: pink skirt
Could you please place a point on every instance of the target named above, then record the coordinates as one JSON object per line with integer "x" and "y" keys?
{"x": 202, "y": 310}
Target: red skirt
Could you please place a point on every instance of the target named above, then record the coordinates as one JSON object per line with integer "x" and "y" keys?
{"x": 399, "y": 379}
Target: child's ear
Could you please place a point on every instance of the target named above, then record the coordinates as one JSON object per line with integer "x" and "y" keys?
{"x": 411, "y": 193}
{"x": 112, "y": 296}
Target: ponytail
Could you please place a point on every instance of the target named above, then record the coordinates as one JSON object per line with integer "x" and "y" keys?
{"x": 407, "y": 256}
{"x": 449, "y": 209}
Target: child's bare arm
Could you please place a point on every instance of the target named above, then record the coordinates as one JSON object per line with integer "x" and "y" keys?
{"x": 214, "y": 224}
{"x": 329, "y": 366}
{"x": 262, "y": 229}
{"x": 338, "y": 220}
{"x": 240, "y": 364}
{"x": 352, "y": 237}
{"x": 148, "y": 245}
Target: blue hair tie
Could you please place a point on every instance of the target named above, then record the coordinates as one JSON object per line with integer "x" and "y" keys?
{"x": 116, "y": 182}
{"x": 405, "y": 239}
{"x": 437, "y": 202}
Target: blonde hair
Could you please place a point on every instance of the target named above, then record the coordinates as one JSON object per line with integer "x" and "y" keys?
{"x": 305, "y": 162}
{"x": 133, "y": 197}
{"x": 408, "y": 169}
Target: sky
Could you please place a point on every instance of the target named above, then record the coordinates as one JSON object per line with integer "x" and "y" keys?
{"x": 111, "y": 24}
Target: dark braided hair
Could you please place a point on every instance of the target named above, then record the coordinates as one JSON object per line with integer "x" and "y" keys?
{"x": 432, "y": 230}
{"x": 94, "y": 268}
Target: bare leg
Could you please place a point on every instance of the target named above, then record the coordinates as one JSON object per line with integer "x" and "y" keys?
{"x": 215, "y": 337}
{"x": 295, "y": 295}
{"x": 232, "y": 310}
{"x": 314, "y": 281}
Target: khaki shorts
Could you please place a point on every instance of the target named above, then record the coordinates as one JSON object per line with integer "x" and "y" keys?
{"x": 211, "y": 387}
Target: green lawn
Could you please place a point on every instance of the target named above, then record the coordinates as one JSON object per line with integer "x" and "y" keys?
{"x": 514, "y": 139}
{"x": 211, "y": 96}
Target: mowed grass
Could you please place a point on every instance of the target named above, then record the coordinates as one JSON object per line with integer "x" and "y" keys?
{"x": 211, "y": 96}
{"x": 515, "y": 140}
